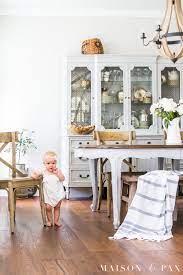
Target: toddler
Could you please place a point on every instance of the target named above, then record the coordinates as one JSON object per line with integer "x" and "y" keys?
{"x": 52, "y": 186}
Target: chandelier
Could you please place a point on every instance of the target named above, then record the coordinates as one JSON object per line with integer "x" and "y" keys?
{"x": 169, "y": 43}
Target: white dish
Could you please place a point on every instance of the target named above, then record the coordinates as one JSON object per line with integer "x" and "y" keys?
{"x": 140, "y": 93}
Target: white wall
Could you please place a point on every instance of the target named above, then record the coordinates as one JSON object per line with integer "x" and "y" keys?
{"x": 31, "y": 51}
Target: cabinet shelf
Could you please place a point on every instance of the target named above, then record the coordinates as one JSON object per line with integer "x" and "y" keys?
{"x": 112, "y": 81}
{"x": 141, "y": 80}
{"x": 111, "y": 103}
{"x": 141, "y": 103}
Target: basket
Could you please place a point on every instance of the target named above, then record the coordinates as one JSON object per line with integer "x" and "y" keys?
{"x": 92, "y": 46}
{"x": 81, "y": 129}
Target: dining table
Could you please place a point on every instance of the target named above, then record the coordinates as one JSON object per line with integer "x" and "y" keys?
{"x": 116, "y": 154}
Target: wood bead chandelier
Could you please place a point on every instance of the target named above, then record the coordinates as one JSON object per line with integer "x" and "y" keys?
{"x": 168, "y": 42}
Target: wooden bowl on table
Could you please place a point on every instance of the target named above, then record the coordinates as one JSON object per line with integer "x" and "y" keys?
{"x": 81, "y": 129}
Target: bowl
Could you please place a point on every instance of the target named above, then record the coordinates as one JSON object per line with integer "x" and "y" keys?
{"x": 81, "y": 129}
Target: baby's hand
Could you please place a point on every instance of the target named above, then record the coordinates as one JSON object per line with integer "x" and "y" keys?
{"x": 56, "y": 171}
{"x": 59, "y": 174}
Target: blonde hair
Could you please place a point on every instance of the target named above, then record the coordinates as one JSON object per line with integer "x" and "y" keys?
{"x": 50, "y": 154}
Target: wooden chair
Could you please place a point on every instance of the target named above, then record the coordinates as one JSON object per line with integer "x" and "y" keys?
{"x": 13, "y": 183}
{"x": 130, "y": 186}
{"x": 105, "y": 137}
{"x": 179, "y": 198}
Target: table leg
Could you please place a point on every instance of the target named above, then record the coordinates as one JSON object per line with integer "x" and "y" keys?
{"x": 116, "y": 190}
{"x": 93, "y": 174}
{"x": 100, "y": 183}
{"x": 11, "y": 206}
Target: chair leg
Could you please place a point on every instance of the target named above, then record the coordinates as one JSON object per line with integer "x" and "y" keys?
{"x": 175, "y": 213}
{"x": 11, "y": 206}
{"x": 109, "y": 194}
{"x": 132, "y": 190}
{"x": 14, "y": 205}
{"x": 100, "y": 184}
{"x": 41, "y": 199}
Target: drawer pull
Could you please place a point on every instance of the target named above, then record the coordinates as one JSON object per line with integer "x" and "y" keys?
{"x": 80, "y": 143}
{"x": 117, "y": 142}
{"x": 149, "y": 142}
{"x": 83, "y": 158}
{"x": 88, "y": 142}
{"x": 84, "y": 177}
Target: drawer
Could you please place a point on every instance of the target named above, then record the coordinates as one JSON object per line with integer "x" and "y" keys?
{"x": 78, "y": 161}
{"x": 149, "y": 141}
{"x": 115, "y": 142}
{"x": 77, "y": 143}
{"x": 154, "y": 141}
{"x": 80, "y": 175}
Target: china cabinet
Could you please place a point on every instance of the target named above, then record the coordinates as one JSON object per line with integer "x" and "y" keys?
{"x": 113, "y": 92}
{"x": 170, "y": 82}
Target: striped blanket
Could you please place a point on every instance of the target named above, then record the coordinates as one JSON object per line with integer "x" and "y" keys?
{"x": 150, "y": 214}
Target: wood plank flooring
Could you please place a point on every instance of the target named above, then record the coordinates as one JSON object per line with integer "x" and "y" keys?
{"x": 81, "y": 245}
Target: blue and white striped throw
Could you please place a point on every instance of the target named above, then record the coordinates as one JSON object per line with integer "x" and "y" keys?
{"x": 150, "y": 214}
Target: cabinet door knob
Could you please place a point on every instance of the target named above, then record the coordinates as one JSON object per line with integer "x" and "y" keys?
{"x": 84, "y": 177}
{"x": 149, "y": 142}
{"x": 81, "y": 158}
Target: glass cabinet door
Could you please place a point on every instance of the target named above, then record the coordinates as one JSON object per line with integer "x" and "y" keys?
{"x": 141, "y": 97}
{"x": 170, "y": 83}
{"x": 112, "y": 98}
{"x": 81, "y": 96}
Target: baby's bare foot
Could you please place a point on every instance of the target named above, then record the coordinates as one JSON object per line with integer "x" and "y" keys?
{"x": 49, "y": 224}
{"x": 58, "y": 224}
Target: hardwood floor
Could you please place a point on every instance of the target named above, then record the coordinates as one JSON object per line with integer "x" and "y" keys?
{"x": 81, "y": 245}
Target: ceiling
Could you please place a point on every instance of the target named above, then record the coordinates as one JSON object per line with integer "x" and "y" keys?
{"x": 138, "y": 8}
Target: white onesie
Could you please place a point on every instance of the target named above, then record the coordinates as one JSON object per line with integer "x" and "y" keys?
{"x": 53, "y": 189}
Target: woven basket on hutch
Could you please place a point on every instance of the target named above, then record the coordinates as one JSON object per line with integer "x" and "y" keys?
{"x": 92, "y": 46}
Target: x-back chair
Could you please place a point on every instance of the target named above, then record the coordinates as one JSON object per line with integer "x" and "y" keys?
{"x": 122, "y": 137}
{"x": 11, "y": 184}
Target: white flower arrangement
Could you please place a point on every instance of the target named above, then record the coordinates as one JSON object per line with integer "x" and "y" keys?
{"x": 167, "y": 109}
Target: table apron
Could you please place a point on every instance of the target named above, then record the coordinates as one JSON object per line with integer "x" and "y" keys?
{"x": 121, "y": 154}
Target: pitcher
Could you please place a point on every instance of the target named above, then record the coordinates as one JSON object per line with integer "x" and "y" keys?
{"x": 173, "y": 131}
